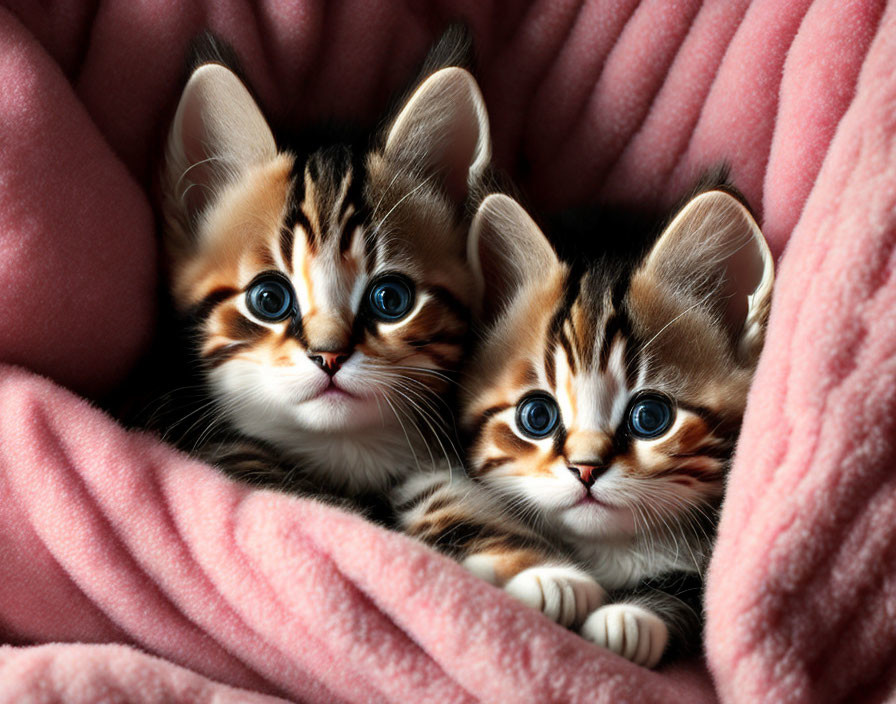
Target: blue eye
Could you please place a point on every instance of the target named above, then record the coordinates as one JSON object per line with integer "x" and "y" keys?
{"x": 391, "y": 297}
{"x": 269, "y": 299}
{"x": 650, "y": 416}
{"x": 537, "y": 415}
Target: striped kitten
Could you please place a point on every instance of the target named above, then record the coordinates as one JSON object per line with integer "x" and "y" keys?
{"x": 328, "y": 294}
{"x": 605, "y": 398}
{"x": 325, "y": 287}
{"x": 456, "y": 516}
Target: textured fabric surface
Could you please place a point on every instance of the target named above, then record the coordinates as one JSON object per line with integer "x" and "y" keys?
{"x": 87, "y": 674}
{"x": 108, "y": 537}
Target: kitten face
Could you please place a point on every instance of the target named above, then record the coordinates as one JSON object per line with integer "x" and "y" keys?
{"x": 329, "y": 291}
{"x": 326, "y": 264}
{"x": 610, "y": 397}
{"x": 588, "y": 469}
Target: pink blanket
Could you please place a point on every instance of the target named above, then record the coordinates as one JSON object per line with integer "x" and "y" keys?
{"x": 130, "y": 573}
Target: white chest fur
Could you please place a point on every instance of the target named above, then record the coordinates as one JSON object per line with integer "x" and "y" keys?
{"x": 356, "y": 464}
{"x": 622, "y": 565}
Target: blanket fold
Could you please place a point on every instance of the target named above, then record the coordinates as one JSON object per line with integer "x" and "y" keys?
{"x": 130, "y": 572}
{"x": 84, "y": 674}
{"x": 258, "y": 589}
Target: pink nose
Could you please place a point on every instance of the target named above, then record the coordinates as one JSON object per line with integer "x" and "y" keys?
{"x": 587, "y": 473}
{"x": 330, "y": 362}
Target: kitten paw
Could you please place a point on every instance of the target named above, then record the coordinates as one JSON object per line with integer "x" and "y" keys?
{"x": 631, "y": 631}
{"x": 565, "y": 595}
{"x": 483, "y": 566}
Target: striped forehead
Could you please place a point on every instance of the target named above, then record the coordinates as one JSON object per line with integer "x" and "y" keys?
{"x": 594, "y": 397}
{"x": 594, "y": 359}
{"x": 324, "y": 280}
{"x": 583, "y": 327}
{"x": 322, "y": 245}
{"x": 328, "y": 207}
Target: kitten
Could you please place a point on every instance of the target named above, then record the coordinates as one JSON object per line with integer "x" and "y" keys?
{"x": 326, "y": 295}
{"x": 456, "y": 516}
{"x": 322, "y": 285}
{"x": 604, "y": 400}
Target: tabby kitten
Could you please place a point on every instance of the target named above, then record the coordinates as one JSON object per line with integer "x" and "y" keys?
{"x": 325, "y": 287}
{"x": 328, "y": 296}
{"x": 605, "y": 399}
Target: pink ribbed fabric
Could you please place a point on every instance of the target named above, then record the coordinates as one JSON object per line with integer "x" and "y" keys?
{"x": 211, "y": 591}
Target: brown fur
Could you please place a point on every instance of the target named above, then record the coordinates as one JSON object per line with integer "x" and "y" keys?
{"x": 595, "y": 339}
{"x": 243, "y": 235}
{"x": 341, "y": 390}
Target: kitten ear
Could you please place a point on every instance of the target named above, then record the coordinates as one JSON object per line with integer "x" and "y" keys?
{"x": 713, "y": 249}
{"x": 442, "y": 131}
{"x": 506, "y": 251}
{"x": 217, "y": 132}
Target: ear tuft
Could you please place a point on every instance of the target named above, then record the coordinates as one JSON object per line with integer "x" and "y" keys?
{"x": 713, "y": 250}
{"x": 506, "y": 251}
{"x": 442, "y": 131}
{"x": 217, "y": 132}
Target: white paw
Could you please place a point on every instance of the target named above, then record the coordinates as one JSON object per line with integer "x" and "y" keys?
{"x": 631, "y": 631}
{"x": 563, "y": 594}
{"x": 483, "y": 566}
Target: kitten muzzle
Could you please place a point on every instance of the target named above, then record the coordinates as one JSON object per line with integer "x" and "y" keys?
{"x": 587, "y": 473}
{"x": 330, "y": 362}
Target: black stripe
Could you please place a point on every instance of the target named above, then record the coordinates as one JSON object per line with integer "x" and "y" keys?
{"x": 444, "y": 297}
{"x": 204, "y": 308}
{"x": 444, "y": 362}
{"x": 298, "y": 218}
{"x": 315, "y": 235}
{"x": 729, "y": 427}
{"x": 559, "y": 443}
{"x": 720, "y": 451}
{"x": 354, "y": 221}
{"x": 567, "y": 348}
{"x": 493, "y": 463}
{"x": 354, "y": 197}
{"x": 417, "y": 498}
{"x": 621, "y": 442}
{"x": 632, "y": 361}
{"x": 294, "y": 215}
{"x": 287, "y": 243}
{"x": 223, "y": 353}
{"x": 508, "y": 441}
{"x": 457, "y": 537}
{"x": 246, "y": 457}
{"x": 370, "y": 244}
{"x": 296, "y": 329}
{"x": 445, "y": 338}
{"x": 550, "y": 368}
{"x": 440, "y": 503}
{"x": 348, "y": 199}
{"x": 571, "y": 289}
{"x": 485, "y": 416}
{"x": 617, "y": 324}
{"x": 297, "y": 215}
{"x": 242, "y": 328}
{"x": 704, "y": 476}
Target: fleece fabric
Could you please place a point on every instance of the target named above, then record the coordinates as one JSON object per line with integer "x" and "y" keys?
{"x": 129, "y": 572}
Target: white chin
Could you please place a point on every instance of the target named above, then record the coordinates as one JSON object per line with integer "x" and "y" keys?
{"x": 593, "y": 520}
{"x": 333, "y": 413}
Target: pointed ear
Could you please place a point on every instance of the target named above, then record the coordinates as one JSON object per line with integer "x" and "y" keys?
{"x": 713, "y": 250}
{"x": 217, "y": 132}
{"x": 442, "y": 131}
{"x": 507, "y": 251}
